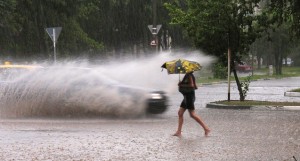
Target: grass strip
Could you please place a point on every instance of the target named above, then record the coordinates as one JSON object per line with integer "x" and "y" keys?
{"x": 286, "y": 72}
{"x": 296, "y": 90}
{"x": 256, "y": 103}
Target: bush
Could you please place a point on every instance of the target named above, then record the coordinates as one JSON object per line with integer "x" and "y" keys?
{"x": 245, "y": 85}
{"x": 220, "y": 71}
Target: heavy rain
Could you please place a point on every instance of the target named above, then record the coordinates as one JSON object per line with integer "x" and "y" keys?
{"x": 84, "y": 80}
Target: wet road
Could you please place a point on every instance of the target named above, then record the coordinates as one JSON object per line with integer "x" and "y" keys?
{"x": 236, "y": 134}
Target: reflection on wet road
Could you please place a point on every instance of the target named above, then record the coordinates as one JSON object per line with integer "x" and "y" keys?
{"x": 236, "y": 134}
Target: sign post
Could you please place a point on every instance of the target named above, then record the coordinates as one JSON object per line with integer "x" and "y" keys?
{"x": 154, "y": 31}
{"x": 54, "y": 32}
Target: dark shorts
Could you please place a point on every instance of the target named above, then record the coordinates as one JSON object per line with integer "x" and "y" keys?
{"x": 188, "y": 101}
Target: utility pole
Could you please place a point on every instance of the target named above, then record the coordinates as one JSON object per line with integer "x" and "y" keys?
{"x": 229, "y": 53}
{"x": 228, "y": 66}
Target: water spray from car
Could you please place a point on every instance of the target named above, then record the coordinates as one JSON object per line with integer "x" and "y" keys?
{"x": 132, "y": 88}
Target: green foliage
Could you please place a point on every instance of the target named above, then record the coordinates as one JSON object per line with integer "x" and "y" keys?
{"x": 25, "y": 34}
{"x": 285, "y": 11}
{"x": 6, "y": 8}
{"x": 213, "y": 25}
{"x": 88, "y": 27}
{"x": 296, "y": 90}
{"x": 258, "y": 75}
{"x": 245, "y": 85}
{"x": 216, "y": 26}
{"x": 6, "y": 23}
{"x": 220, "y": 71}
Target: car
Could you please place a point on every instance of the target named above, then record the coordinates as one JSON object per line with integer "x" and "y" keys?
{"x": 243, "y": 67}
{"x": 75, "y": 91}
{"x": 8, "y": 71}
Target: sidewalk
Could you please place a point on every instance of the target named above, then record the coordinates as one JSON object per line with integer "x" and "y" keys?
{"x": 233, "y": 81}
{"x": 250, "y": 107}
{"x": 239, "y": 107}
{"x": 292, "y": 94}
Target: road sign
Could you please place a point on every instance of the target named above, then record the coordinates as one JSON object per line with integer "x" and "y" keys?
{"x": 54, "y": 32}
{"x": 154, "y": 30}
{"x": 153, "y": 43}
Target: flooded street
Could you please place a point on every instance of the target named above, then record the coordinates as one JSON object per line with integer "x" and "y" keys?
{"x": 99, "y": 80}
{"x": 236, "y": 134}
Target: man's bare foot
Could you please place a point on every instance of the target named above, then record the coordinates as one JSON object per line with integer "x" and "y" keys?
{"x": 206, "y": 132}
{"x": 178, "y": 134}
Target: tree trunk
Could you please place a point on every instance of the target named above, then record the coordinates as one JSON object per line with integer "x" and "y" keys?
{"x": 258, "y": 62}
{"x": 280, "y": 64}
{"x": 276, "y": 57}
{"x": 238, "y": 83}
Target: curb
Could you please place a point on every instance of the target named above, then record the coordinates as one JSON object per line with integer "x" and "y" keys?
{"x": 221, "y": 82}
{"x": 212, "y": 83}
{"x": 222, "y": 106}
{"x": 292, "y": 94}
{"x": 258, "y": 108}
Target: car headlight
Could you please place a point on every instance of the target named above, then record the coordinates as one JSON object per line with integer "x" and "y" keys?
{"x": 156, "y": 96}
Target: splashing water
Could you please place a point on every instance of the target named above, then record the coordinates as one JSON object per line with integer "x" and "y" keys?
{"x": 82, "y": 89}
{"x": 147, "y": 72}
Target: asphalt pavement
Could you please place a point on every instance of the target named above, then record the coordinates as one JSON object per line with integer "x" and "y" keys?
{"x": 236, "y": 134}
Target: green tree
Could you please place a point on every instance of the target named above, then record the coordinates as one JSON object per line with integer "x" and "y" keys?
{"x": 26, "y": 29}
{"x": 283, "y": 11}
{"x": 89, "y": 27}
{"x": 276, "y": 42}
{"x": 280, "y": 43}
{"x": 215, "y": 26}
{"x": 118, "y": 24}
{"x": 6, "y": 25}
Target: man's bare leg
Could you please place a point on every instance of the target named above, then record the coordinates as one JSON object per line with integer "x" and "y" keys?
{"x": 199, "y": 120}
{"x": 180, "y": 121}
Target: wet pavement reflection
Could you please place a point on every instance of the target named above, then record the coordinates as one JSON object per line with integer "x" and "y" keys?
{"x": 236, "y": 134}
